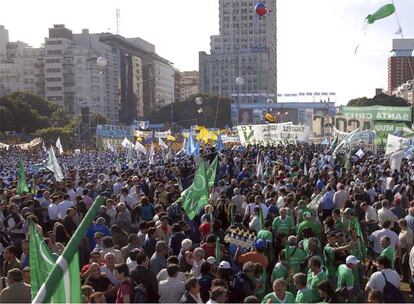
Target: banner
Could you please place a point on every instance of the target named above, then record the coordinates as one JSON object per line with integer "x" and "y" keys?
{"x": 230, "y": 139}
{"x": 35, "y": 142}
{"x": 376, "y": 113}
{"x": 112, "y": 131}
{"x": 162, "y": 134}
{"x": 395, "y": 143}
{"x": 4, "y": 146}
{"x": 273, "y": 134}
{"x": 366, "y": 136}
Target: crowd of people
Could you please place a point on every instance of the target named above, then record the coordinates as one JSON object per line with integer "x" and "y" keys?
{"x": 356, "y": 245}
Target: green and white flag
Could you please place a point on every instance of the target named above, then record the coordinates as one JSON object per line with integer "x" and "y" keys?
{"x": 41, "y": 264}
{"x": 196, "y": 196}
{"x": 61, "y": 270}
{"x": 212, "y": 171}
{"x": 53, "y": 165}
{"x": 314, "y": 203}
{"x": 22, "y": 183}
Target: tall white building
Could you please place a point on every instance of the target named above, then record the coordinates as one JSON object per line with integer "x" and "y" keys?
{"x": 246, "y": 47}
{"x": 164, "y": 82}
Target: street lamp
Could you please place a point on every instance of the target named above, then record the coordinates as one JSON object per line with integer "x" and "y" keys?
{"x": 239, "y": 81}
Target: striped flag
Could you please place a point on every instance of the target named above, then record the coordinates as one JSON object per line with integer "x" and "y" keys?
{"x": 41, "y": 264}
{"x": 61, "y": 269}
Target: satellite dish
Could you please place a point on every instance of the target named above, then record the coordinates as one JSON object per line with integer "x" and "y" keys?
{"x": 240, "y": 81}
{"x": 199, "y": 101}
{"x": 101, "y": 62}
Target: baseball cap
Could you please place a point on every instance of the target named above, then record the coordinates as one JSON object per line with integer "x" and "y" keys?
{"x": 211, "y": 260}
{"x": 259, "y": 244}
{"x": 351, "y": 259}
{"x": 224, "y": 265}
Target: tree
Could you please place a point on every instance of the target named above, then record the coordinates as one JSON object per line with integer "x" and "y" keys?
{"x": 187, "y": 113}
{"x": 379, "y": 100}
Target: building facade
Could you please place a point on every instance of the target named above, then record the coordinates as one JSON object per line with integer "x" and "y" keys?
{"x": 188, "y": 84}
{"x": 400, "y": 64}
{"x": 246, "y": 47}
{"x": 164, "y": 82}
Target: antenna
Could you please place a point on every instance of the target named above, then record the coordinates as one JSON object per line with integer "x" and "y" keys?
{"x": 118, "y": 20}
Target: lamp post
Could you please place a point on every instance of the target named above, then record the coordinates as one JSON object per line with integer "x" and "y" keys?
{"x": 240, "y": 82}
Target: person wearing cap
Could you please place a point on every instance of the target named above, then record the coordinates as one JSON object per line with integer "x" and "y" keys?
{"x": 283, "y": 223}
{"x": 279, "y": 294}
{"x": 224, "y": 271}
{"x": 255, "y": 255}
{"x": 346, "y": 279}
{"x": 308, "y": 223}
{"x": 98, "y": 226}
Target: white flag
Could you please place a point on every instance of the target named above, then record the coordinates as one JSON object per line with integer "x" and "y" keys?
{"x": 53, "y": 165}
{"x": 59, "y": 146}
{"x": 360, "y": 153}
{"x": 305, "y": 170}
{"x": 126, "y": 143}
{"x": 162, "y": 143}
{"x": 140, "y": 147}
{"x": 151, "y": 159}
{"x": 259, "y": 169}
{"x": 111, "y": 147}
{"x": 396, "y": 160}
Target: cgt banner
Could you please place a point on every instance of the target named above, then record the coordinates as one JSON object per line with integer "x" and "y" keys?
{"x": 377, "y": 113}
{"x": 273, "y": 134}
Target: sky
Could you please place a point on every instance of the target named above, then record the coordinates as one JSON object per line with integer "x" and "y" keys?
{"x": 316, "y": 38}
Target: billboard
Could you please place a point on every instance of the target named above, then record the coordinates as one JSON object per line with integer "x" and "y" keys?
{"x": 378, "y": 113}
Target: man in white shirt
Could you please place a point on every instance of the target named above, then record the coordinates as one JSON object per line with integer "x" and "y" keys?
{"x": 52, "y": 210}
{"x": 172, "y": 289}
{"x": 127, "y": 198}
{"x": 64, "y": 206}
{"x": 117, "y": 187}
{"x": 377, "y": 279}
{"x": 385, "y": 231}
{"x": 371, "y": 217}
{"x": 385, "y": 214}
{"x": 237, "y": 200}
{"x": 340, "y": 197}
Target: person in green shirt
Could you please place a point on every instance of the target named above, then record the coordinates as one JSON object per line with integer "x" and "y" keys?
{"x": 315, "y": 276}
{"x": 266, "y": 235}
{"x": 339, "y": 224}
{"x": 329, "y": 254}
{"x": 308, "y": 223}
{"x": 387, "y": 250}
{"x": 304, "y": 295}
{"x": 295, "y": 256}
{"x": 283, "y": 223}
{"x": 279, "y": 294}
{"x": 281, "y": 269}
{"x": 346, "y": 279}
{"x": 301, "y": 209}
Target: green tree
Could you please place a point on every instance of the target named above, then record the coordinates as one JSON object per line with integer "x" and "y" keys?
{"x": 186, "y": 113}
{"x": 379, "y": 100}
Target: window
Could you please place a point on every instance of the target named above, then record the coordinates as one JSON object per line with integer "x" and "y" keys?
{"x": 54, "y": 52}
{"x": 54, "y": 89}
{"x": 53, "y": 79}
{"x": 55, "y": 98}
{"x": 54, "y": 42}
{"x": 52, "y": 60}
{"x": 53, "y": 70}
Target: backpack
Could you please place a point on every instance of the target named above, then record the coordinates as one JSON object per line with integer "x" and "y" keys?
{"x": 140, "y": 294}
{"x": 391, "y": 293}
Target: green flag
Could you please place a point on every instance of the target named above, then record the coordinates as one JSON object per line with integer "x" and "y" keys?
{"x": 61, "y": 271}
{"x": 218, "y": 251}
{"x": 261, "y": 218}
{"x": 41, "y": 264}
{"x": 334, "y": 143}
{"x": 211, "y": 172}
{"x": 356, "y": 225}
{"x": 22, "y": 183}
{"x": 196, "y": 196}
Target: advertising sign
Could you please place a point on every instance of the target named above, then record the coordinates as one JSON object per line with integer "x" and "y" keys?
{"x": 376, "y": 113}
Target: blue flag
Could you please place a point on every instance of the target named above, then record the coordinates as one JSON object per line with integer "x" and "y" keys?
{"x": 219, "y": 145}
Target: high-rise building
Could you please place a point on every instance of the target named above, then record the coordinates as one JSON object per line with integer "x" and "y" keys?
{"x": 186, "y": 84}
{"x": 4, "y": 39}
{"x": 400, "y": 64}
{"x": 246, "y": 47}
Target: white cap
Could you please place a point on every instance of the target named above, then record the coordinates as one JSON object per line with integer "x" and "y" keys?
{"x": 351, "y": 259}
{"x": 211, "y": 260}
{"x": 224, "y": 265}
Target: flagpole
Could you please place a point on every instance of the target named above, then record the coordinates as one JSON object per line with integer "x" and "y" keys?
{"x": 62, "y": 263}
